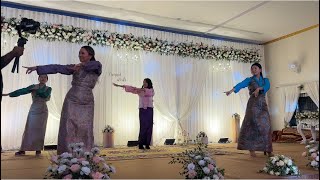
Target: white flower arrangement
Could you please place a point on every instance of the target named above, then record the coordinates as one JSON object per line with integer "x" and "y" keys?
{"x": 108, "y": 129}
{"x": 280, "y": 165}
{"x": 59, "y": 32}
{"x": 79, "y": 165}
{"x": 307, "y": 115}
{"x": 200, "y": 136}
{"x": 312, "y": 154}
{"x": 197, "y": 164}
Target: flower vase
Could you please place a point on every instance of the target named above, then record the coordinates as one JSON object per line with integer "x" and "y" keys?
{"x": 108, "y": 140}
{"x": 204, "y": 140}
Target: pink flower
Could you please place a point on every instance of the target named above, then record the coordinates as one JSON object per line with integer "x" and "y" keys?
{"x": 304, "y": 154}
{"x": 96, "y": 159}
{"x": 82, "y": 159}
{"x": 314, "y": 155}
{"x": 54, "y": 159}
{"x": 192, "y": 174}
{"x": 96, "y": 175}
{"x": 75, "y": 168}
{"x": 210, "y": 166}
{"x": 69, "y": 176}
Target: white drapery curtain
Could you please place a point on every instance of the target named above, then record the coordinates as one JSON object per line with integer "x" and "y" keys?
{"x": 290, "y": 96}
{"x": 188, "y": 92}
{"x": 312, "y": 89}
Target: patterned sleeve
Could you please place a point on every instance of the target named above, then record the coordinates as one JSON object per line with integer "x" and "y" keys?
{"x": 55, "y": 68}
{"x": 93, "y": 66}
{"x": 22, "y": 91}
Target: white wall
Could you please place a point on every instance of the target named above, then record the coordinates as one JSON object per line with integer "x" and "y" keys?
{"x": 303, "y": 47}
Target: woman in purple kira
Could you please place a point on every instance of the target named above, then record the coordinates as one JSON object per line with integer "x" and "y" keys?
{"x": 76, "y": 122}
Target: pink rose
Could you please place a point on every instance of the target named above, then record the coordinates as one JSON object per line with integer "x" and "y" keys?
{"x": 314, "y": 155}
{"x": 304, "y": 154}
{"x": 210, "y": 166}
{"x": 96, "y": 159}
{"x": 54, "y": 159}
{"x": 192, "y": 174}
{"x": 69, "y": 176}
{"x": 75, "y": 168}
{"x": 96, "y": 175}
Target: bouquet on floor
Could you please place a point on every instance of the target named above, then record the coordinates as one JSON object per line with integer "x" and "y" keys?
{"x": 313, "y": 155}
{"x": 108, "y": 129}
{"x": 281, "y": 165}
{"x": 201, "y": 138}
{"x": 79, "y": 165}
{"x": 197, "y": 164}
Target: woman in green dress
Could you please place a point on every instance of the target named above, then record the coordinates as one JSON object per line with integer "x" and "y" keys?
{"x": 35, "y": 130}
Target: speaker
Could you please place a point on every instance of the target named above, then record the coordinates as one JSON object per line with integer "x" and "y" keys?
{"x": 224, "y": 140}
{"x": 132, "y": 143}
{"x": 169, "y": 141}
{"x": 50, "y": 147}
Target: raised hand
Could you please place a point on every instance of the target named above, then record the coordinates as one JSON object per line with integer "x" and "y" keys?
{"x": 30, "y": 69}
{"x": 229, "y": 92}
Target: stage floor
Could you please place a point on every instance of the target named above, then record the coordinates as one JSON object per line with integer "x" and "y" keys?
{"x": 132, "y": 163}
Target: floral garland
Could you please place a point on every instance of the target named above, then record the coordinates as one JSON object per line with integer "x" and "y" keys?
{"x": 59, "y": 32}
{"x": 280, "y": 165}
{"x": 312, "y": 154}
{"x": 197, "y": 164}
{"x": 307, "y": 115}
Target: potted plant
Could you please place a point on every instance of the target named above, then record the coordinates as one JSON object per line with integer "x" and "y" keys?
{"x": 108, "y": 139}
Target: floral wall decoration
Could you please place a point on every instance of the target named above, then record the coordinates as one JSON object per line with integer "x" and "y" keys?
{"x": 60, "y": 32}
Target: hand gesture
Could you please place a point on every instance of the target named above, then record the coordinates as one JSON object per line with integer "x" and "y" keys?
{"x": 116, "y": 85}
{"x": 228, "y": 92}
{"x": 18, "y": 51}
{"x": 30, "y": 69}
{"x": 5, "y": 94}
{"x": 76, "y": 67}
{"x": 256, "y": 92}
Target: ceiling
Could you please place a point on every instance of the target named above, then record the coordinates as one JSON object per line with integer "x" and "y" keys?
{"x": 252, "y": 21}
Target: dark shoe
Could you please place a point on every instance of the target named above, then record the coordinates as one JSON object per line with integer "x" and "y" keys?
{"x": 20, "y": 153}
{"x": 147, "y": 147}
{"x": 141, "y": 147}
{"x": 38, "y": 153}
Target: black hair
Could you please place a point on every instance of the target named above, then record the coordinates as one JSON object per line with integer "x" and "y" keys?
{"x": 44, "y": 75}
{"x": 259, "y": 66}
{"x": 90, "y": 51}
{"x": 149, "y": 83}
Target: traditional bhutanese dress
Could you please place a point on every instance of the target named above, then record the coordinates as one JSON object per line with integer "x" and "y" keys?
{"x": 76, "y": 123}
{"x": 145, "y": 113}
{"x": 35, "y": 129}
{"x": 255, "y": 132}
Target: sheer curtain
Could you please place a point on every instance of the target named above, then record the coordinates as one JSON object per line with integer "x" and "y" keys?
{"x": 290, "y": 96}
{"x": 312, "y": 90}
{"x": 188, "y": 92}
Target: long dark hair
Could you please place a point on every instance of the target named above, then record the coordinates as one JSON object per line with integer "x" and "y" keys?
{"x": 260, "y": 67}
{"x": 149, "y": 83}
{"x": 90, "y": 51}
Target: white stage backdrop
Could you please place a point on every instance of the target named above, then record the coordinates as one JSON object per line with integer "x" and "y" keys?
{"x": 188, "y": 92}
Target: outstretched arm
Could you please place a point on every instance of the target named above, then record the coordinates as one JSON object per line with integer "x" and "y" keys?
{"x": 239, "y": 86}
{"x": 53, "y": 69}
{"x": 20, "y": 92}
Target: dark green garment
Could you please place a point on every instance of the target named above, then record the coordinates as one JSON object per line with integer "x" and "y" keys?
{"x": 43, "y": 92}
